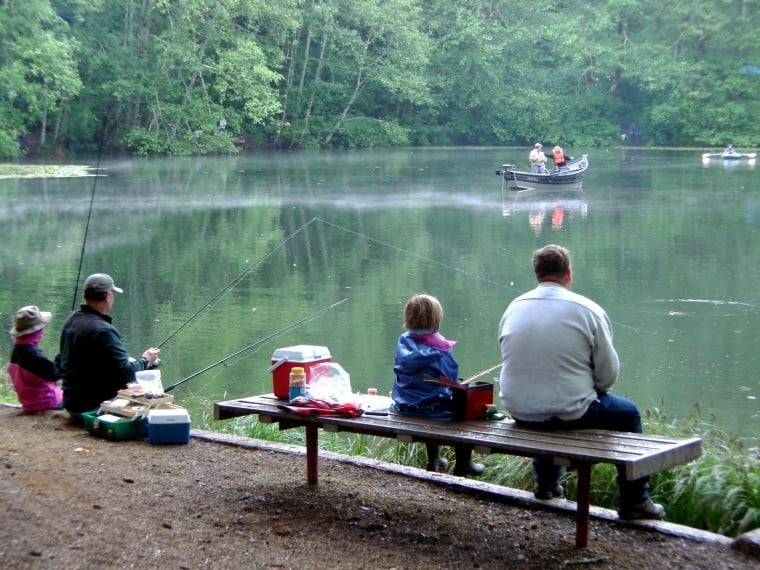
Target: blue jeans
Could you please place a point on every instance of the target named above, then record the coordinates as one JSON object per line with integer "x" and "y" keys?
{"x": 608, "y": 412}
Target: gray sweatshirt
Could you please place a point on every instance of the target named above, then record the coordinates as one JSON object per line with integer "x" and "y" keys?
{"x": 557, "y": 353}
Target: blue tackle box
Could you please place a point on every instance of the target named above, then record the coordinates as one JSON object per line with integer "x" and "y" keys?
{"x": 170, "y": 425}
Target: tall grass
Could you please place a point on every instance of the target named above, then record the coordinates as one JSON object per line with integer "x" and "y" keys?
{"x": 718, "y": 492}
{"x": 7, "y": 393}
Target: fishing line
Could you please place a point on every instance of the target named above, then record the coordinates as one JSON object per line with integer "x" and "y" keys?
{"x": 227, "y": 288}
{"x": 446, "y": 266}
{"x": 418, "y": 256}
{"x": 89, "y": 214}
{"x": 259, "y": 342}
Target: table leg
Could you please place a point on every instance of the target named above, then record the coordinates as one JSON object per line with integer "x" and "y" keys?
{"x": 584, "y": 505}
{"x": 312, "y": 454}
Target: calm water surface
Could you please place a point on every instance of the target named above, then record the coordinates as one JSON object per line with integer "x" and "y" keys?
{"x": 217, "y": 255}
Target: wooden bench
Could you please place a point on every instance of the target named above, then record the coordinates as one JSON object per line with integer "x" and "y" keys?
{"x": 639, "y": 454}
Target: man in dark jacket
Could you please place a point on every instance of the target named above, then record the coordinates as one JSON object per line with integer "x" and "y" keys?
{"x": 94, "y": 362}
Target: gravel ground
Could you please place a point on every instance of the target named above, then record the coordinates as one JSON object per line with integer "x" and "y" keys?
{"x": 71, "y": 500}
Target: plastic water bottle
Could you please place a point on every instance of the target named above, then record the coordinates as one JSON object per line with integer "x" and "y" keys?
{"x": 297, "y": 381}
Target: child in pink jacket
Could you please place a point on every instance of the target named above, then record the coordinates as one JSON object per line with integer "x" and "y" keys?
{"x": 34, "y": 375}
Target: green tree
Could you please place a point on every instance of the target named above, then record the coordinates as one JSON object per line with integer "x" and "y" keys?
{"x": 471, "y": 73}
{"x": 38, "y": 69}
{"x": 356, "y": 61}
{"x": 187, "y": 77}
{"x": 156, "y": 76}
{"x": 682, "y": 78}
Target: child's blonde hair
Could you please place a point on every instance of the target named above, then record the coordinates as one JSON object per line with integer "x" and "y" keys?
{"x": 423, "y": 311}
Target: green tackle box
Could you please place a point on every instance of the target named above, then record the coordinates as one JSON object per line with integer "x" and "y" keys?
{"x": 114, "y": 427}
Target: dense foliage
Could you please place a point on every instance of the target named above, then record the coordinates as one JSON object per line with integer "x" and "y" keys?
{"x": 207, "y": 76}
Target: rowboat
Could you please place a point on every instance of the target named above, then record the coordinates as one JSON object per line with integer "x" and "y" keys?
{"x": 569, "y": 176}
{"x": 730, "y": 155}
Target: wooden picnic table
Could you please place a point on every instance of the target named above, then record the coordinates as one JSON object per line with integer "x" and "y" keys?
{"x": 640, "y": 454}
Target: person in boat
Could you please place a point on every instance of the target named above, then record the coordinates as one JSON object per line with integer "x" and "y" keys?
{"x": 729, "y": 150}
{"x": 423, "y": 352}
{"x": 558, "y": 366}
{"x": 537, "y": 159}
{"x": 94, "y": 362}
{"x": 558, "y": 154}
{"x": 33, "y": 374}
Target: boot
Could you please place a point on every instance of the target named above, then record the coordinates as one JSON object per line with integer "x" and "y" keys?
{"x": 435, "y": 461}
{"x": 464, "y": 465}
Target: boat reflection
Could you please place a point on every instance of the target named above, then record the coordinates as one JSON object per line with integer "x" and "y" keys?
{"x": 545, "y": 206}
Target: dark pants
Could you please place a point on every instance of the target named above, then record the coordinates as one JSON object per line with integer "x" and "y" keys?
{"x": 609, "y": 412}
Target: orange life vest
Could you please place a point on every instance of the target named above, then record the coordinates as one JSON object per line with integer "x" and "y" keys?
{"x": 558, "y": 155}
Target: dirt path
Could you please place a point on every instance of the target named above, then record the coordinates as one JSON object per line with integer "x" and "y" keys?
{"x": 70, "y": 500}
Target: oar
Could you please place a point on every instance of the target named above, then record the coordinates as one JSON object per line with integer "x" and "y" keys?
{"x": 257, "y": 343}
{"x": 711, "y": 154}
{"x": 482, "y": 373}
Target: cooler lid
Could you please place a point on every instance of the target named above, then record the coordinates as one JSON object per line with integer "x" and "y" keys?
{"x": 168, "y": 416}
{"x": 301, "y": 353}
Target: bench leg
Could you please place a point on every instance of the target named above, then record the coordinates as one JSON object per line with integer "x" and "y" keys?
{"x": 584, "y": 505}
{"x": 312, "y": 454}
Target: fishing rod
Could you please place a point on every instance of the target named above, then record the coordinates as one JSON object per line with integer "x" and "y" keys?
{"x": 227, "y": 288}
{"x": 258, "y": 342}
{"x": 481, "y": 373}
{"x": 89, "y": 213}
{"x": 448, "y": 381}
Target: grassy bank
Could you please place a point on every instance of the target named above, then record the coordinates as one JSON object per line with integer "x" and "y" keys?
{"x": 719, "y": 492}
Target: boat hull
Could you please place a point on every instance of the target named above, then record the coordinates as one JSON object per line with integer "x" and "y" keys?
{"x": 568, "y": 177}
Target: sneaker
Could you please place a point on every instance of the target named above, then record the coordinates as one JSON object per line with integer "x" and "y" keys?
{"x": 474, "y": 469}
{"x": 646, "y": 510}
{"x": 549, "y": 493}
{"x": 438, "y": 464}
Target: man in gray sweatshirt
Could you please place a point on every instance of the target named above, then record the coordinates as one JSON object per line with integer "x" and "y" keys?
{"x": 559, "y": 364}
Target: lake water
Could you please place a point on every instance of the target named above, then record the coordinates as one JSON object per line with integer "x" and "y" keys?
{"x": 219, "y": 255}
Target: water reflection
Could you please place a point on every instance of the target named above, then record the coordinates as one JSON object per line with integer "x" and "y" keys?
{"x": 671, "y": 255}
{"x": 556, "y": 206}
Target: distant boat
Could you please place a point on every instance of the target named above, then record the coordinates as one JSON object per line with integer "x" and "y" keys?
{"x": 729, "y": 155}
{"x": 569, "y": 176}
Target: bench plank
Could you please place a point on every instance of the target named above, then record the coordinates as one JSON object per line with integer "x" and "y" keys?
{"x": 639, "y": 454}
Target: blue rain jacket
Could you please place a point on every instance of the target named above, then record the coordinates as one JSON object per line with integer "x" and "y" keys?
{"x": 415, "y": 361}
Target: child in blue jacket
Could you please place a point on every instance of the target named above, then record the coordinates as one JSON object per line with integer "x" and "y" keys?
{"x": 424, "y": 352}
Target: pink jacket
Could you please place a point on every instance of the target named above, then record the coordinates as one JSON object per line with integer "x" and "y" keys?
{"x": 34, "y": 393}
{"x": 34, "y": 376}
